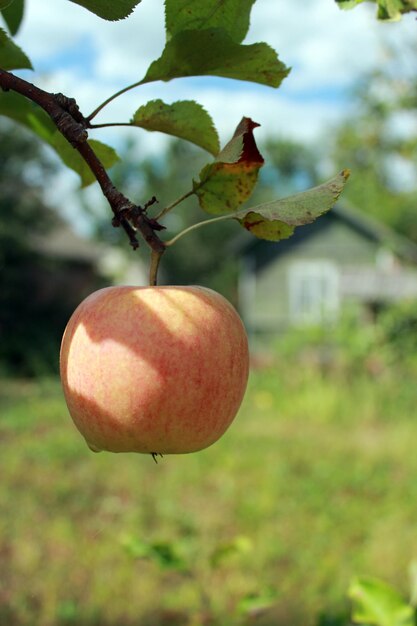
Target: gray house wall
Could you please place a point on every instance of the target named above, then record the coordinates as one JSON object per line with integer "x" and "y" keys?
{"x": 310, "y": 278}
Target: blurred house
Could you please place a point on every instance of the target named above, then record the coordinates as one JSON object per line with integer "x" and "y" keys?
{"x": 342, "y": 258}
{"x": 43, "y": 278}
{"x": 86, "y": 262}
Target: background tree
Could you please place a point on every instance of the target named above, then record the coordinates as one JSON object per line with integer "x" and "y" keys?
{"x": 379, "y": 143}
{"x": 35, "y": 290}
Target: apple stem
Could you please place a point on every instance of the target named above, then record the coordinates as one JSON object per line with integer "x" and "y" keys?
{"x": 156, "y": 256}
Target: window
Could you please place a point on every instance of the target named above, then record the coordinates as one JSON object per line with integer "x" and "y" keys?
{"x": 313, "y": 292}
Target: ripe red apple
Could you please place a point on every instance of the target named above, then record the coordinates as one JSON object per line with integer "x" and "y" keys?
{"x": 160, "y": 370}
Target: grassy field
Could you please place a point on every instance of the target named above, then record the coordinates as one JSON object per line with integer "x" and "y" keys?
{"x": 316, "y": 481}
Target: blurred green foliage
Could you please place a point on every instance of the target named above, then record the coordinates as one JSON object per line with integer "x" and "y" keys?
{"x": 24, "y": 330}
{"x": 313, "y": 484}
{"x": 377, "y": 603}
{"x": 353, "y": 344}
{"x": 379, "y": 144}
{"x": 37, "y": 292}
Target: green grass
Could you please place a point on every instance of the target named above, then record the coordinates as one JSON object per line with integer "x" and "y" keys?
{"x": 315, "y": 481}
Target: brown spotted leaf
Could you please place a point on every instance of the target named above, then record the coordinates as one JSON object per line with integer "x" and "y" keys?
{"x": 227, "y": 182}
{"x": 277, "y": 220}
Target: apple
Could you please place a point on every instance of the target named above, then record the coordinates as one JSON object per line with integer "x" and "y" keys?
{"x": 159, "y": 370}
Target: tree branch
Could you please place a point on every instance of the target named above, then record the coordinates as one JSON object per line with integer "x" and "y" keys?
{"x": 68, "y": 119}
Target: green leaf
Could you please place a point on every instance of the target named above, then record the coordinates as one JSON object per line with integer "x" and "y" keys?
{"x": 166, "y": 554}
{"x": 223, "y": 552}
{"x": 227, "y": 182}
{"x": 277, "y": 220}
{"x": 233, "y": 16}
{"x": 185, "y": 119}
{"x": 348, "y": 4}
{"x": 21, "y": 110}
{"x": 109, "y": 9}
{"x": 212, "y": 52}
{"x": 391, "y": 10}
{"x": 11, "y": 56}
{"x": 376, "y": 603}
{"x": 253, "y": 604}
{"x": 74, "y": 161}
{"x": 13, "y": 15}
{"x": 4, "y": 4}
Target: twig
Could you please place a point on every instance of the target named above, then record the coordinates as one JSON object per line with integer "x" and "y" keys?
{"x": 68, "y": 119}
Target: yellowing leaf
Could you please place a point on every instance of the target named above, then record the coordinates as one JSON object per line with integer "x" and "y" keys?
{"x": 223, "y": 187}
{"x": 277, "y": 220}
{"x": 264, "y": 228}
{"x": 227, "y": 182}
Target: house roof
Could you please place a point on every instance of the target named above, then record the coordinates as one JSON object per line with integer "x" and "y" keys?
{"x": 368, "y": 226}
{"x": 62, "y": 242}
{"x": 377, "y": 231}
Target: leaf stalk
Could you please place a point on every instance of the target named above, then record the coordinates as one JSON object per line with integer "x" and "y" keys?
{"x": 171, "y": 206}
{"x": 110, "y": 99}
{"x": 189, "y": 229}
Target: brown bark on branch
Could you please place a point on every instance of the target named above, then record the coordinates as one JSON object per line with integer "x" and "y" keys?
{"x": 68, "y": 119}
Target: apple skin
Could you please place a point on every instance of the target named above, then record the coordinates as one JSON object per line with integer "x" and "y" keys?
{"x": 159, "y": 370}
